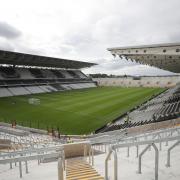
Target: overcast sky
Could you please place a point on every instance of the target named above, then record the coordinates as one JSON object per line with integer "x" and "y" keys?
{"x": 84, "y": 29}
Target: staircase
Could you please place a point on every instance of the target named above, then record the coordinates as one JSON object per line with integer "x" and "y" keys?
{"x": 78, "y": 169}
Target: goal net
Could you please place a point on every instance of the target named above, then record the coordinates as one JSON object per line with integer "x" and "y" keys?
{"x": 34, "y": 101}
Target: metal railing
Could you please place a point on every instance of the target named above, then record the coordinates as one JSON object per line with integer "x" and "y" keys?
{"x": 33, "y": 154}
{"x": 135, "y": 141}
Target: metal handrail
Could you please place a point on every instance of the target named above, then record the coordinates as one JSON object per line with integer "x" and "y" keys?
{"x": 137, "y": 143}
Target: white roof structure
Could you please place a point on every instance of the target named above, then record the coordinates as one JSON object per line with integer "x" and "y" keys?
{"x": 163, "y": 56}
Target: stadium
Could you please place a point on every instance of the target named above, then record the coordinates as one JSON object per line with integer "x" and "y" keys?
{"x": 54, "y": 114}
{"x": 90, "y": 90}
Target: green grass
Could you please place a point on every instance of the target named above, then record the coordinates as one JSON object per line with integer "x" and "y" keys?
{"x": 74, "y": 112}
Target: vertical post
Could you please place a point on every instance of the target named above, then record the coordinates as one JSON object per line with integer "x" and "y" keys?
{"x": 115, "y": 165}
{"x": 156, "y": 161}
{"x": 89, "y": 152}
{"x": 128, "y": 151}
{"x": 38, "y": 159}
{"x": 137, "y": 151}
{"x": 26, "y": 164}
{"x": 140, "y": 158}
{"x": 85, "y": 151}
{"x": 160, "y": 146}
{"x": 20, "y": 169}
{"x": 10, "y": 162}
{"x": 92, "y": 155}
{"x": 60, "y": 170}
{"x": 169, "y": 153}
{"x": 106, "y": 165}
{"x": 160, "y": 143}
{"x": 64, "y": 163}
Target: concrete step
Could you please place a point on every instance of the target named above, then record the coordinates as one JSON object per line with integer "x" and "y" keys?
{"x": 81, "y": 170}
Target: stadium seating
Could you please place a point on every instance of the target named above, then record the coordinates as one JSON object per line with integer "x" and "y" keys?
{"x": 47, "y": 88}
{"x": 73, "y": 73}
{"x": 22, "y": 81}
{"x": 58, "y": 87}
{"x": 80, "y": 74}
{"x": 36, "y": 73}
{"x": 7, "y": 72}
{"x": 18, "y": 91}
{"x": 164, "y": 107}
{"x": 25, "y": 73}
{"x": 4, "y": 92}
{"x": 58, "y": 74}
{"x": 34, "y": 89}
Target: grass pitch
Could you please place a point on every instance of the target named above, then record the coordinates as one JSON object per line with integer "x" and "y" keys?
{"x": 76, "y": 111}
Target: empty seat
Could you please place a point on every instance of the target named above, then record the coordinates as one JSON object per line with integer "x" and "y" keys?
{"x": 4, "y": 92}
{"x": 8, "y": 72}
{"x": 36, "y": 73}
{"x": 34, "y": 89}
{"x": 18, "y": 91}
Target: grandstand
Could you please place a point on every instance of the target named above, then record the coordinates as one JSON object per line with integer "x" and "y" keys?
{"x": 23, "y": 74}
{"x": 166, "y": 106}
{"x": 141, "y": 142}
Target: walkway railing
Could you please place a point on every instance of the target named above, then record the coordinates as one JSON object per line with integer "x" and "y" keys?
{"x": 135, "y": 141}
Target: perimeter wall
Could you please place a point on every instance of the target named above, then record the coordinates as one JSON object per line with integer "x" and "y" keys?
{"x": 153, "y": 81}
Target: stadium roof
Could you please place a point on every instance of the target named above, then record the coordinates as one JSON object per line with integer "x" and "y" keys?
{"x": 16, "y": 58}
{"x": 163, "y": 56}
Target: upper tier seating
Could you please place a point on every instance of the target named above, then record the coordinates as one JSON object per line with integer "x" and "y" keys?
{"x": 66, "y": 74}
{"x": 25, "y": 73}
{"x": 80, "y": 74}
{"x": 58, "y": 74}
{"x": 36, "y": 73}
{"x": 8, "y": 72}
{"x": 48, "y": 73}
{"x": 73, "y": 74}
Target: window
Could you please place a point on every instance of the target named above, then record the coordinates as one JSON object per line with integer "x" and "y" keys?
{"x": 164, "y": 50}
{"x": 177, "y": 50}
{"x": 136, "y": 51}
{"x": 144, "y": 51}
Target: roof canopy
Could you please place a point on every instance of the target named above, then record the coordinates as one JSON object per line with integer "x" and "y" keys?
{"x": 163, "y": 56}
{"x": 16, "y": 58}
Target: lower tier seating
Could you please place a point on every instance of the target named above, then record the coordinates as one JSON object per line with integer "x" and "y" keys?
{"x": 165, "y": 106}
{"x": 24, "y": 90}
{"x": 4, "y": 92}
{"x": 18, "y": 91}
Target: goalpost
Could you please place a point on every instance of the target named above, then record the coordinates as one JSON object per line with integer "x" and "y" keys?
{"x": 34, "y": 101}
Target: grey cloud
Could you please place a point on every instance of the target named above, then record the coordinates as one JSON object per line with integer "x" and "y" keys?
{"x": 110, "y": 23}
{"x": 8, "y": 31}
{"x": 5, "y": 45}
